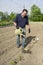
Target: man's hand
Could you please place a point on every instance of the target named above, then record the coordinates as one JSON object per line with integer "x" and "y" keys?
{"x": 29, "y": 30}
{"x": 15, "y": 24}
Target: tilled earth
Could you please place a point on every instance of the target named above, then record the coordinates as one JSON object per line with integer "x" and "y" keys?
{"x": 11, "y": 55}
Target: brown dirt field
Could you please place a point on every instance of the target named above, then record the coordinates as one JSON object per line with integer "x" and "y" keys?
{"x": 9, "y": 52}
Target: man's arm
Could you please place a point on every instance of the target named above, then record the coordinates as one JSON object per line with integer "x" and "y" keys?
{"x": 29, "y": 28}
{"x": 15, "y": 24}
{"x": 28, "y": 25}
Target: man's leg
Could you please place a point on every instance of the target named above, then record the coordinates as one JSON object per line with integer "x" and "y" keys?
{"x": 23, "y": 41}
{"x": 18, "y": 40}
{"x": 24, "y": 37}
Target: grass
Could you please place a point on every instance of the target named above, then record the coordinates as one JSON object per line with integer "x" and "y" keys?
{"x": 12, "y": 62}
{"x": 6, "y": 23}
{"x": 9, "y": 23}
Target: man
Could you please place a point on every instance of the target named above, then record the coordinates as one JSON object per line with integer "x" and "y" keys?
{"x": 21, "y": 20}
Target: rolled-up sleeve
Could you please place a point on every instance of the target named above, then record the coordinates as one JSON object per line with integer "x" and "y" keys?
{"x": 27, "y": 21}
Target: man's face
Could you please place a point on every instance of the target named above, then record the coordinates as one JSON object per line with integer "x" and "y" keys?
{"x": 24, "y": 13}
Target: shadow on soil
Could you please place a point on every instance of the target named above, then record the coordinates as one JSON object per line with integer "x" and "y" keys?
{"x": 28, "y": 40}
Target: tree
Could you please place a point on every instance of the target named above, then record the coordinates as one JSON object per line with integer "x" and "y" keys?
{"x": 12, "y": 15}
{"x": 35, "y": 10}
{"x": 35, "y": 14}
{"x": 1, "y": 15}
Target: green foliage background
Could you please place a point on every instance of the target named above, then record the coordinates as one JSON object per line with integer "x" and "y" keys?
{"x": 7, "y": 19}
{"x": 35, "y": 14}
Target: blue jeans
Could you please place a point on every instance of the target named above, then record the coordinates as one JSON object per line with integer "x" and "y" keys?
{"x": 23, "y": 39}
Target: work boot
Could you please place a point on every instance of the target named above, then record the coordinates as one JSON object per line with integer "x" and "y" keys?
{"x": 23, "y": 50}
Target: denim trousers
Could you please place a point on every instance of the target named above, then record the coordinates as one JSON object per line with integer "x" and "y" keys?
{"x": 23, "y": 42}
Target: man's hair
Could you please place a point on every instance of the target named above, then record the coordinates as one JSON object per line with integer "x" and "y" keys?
{"x": 25, "y": 10}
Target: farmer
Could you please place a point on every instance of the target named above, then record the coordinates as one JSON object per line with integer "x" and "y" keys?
{"x": 21, "y": 21}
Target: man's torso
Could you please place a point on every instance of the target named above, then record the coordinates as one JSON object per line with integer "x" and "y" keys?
{"x": 21, "y": 22}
